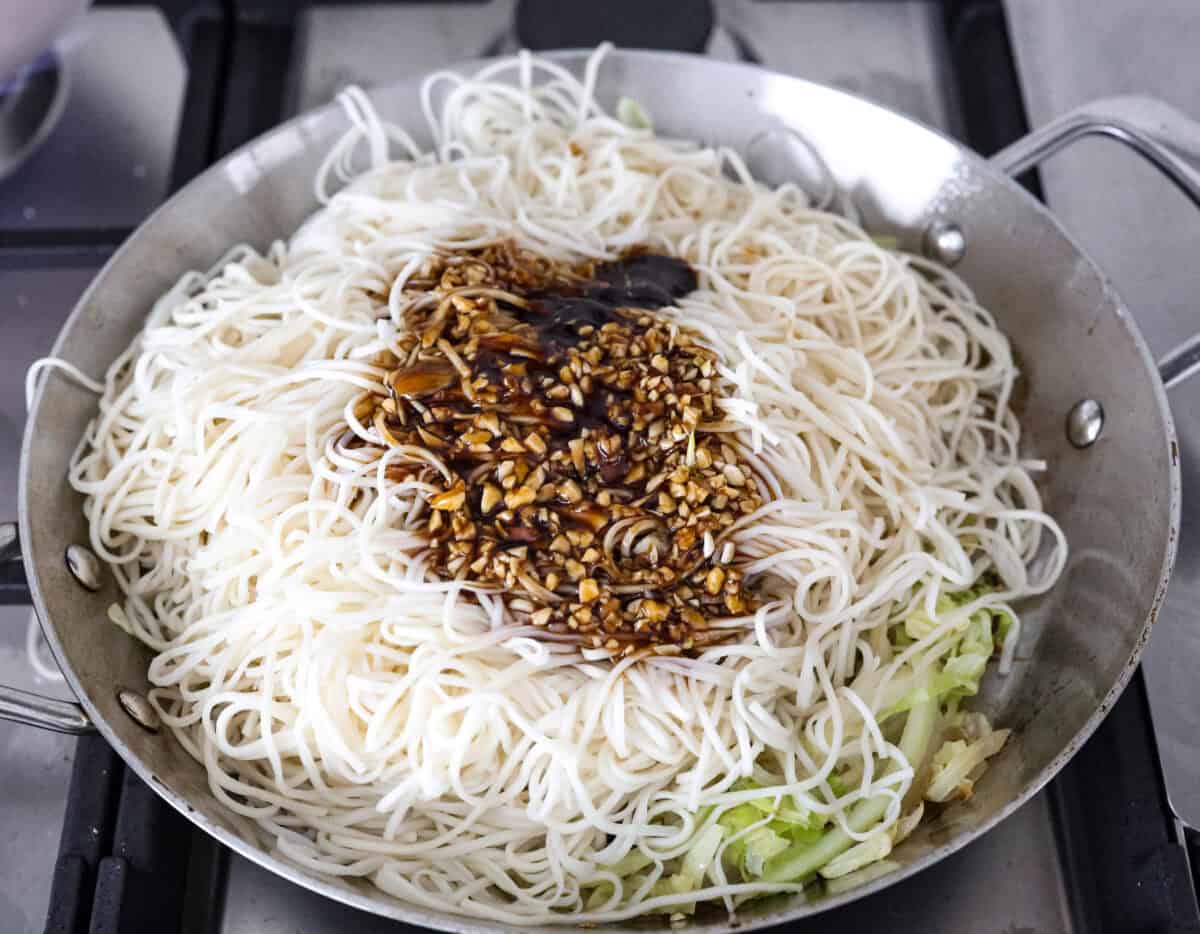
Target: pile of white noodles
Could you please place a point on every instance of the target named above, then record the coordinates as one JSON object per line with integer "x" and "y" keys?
{"x": 373, "y": 721}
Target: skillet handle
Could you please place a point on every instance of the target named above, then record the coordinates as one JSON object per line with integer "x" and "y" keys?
{"x": 49, "y": 713}
{"x": 14, "y": 589}
{"x": 1163, "y": 136}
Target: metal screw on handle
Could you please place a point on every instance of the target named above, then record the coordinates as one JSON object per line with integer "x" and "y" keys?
{"x": 1085, "y": 421}
{"x": 945, "y": 243}
{"x": 139, "y": 709}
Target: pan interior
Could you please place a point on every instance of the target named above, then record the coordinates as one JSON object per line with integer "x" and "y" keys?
{"x": 1116, "y": 501}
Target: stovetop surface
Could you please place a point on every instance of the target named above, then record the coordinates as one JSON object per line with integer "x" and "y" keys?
{"x": 159, "y": 91}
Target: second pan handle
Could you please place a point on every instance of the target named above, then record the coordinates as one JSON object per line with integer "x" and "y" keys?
{"x": 48, "y": 713}
{"x": 1166, "y": 138}
{"x": 14, "y": 589}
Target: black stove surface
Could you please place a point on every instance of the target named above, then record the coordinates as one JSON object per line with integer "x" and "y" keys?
{"x": 1099, "y": 851}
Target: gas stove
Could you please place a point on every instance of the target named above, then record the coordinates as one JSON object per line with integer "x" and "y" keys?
{"x": 156, "y": 92}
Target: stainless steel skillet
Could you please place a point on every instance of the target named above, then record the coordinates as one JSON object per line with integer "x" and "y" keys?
{"x": 1095, "y": 410}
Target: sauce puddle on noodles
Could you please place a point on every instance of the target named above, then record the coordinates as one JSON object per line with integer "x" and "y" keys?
{"x": 569, "y": 433}
{"x": 563, "y": 527}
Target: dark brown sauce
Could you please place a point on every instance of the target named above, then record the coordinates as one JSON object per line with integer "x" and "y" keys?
{"x": 564, "y": 379}
{"x": 642, "y": 281}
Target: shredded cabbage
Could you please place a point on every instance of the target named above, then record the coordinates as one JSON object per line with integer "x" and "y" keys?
{"x": 860, "y": 877}
{"x": 633, "y": 114}
{"x": 908, "y": 823}
{"x": 782, "y": 807}
{"x": 977, "y": 638}
{"x": 761, "y": 845}
{"x": 780, "y": 825}
{"x": 774, "y": 838}
{"x": 701, "y": 855}
{"x": 956, "y": 761}
{"x": 861, "y": 854}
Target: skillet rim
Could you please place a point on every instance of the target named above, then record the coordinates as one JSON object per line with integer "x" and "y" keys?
{"x": 392, "y": 907}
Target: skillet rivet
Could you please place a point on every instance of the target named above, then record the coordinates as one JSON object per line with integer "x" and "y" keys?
{"x": 138, "y": 708}
{"x": 84, "y": 566}
{"x": 1085, "y": 421}
{"x": 945, "y": 243}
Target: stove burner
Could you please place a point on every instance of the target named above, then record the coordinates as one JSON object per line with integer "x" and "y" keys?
{"x": 679, "y": 26}
{"x": 30, "y": 105}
